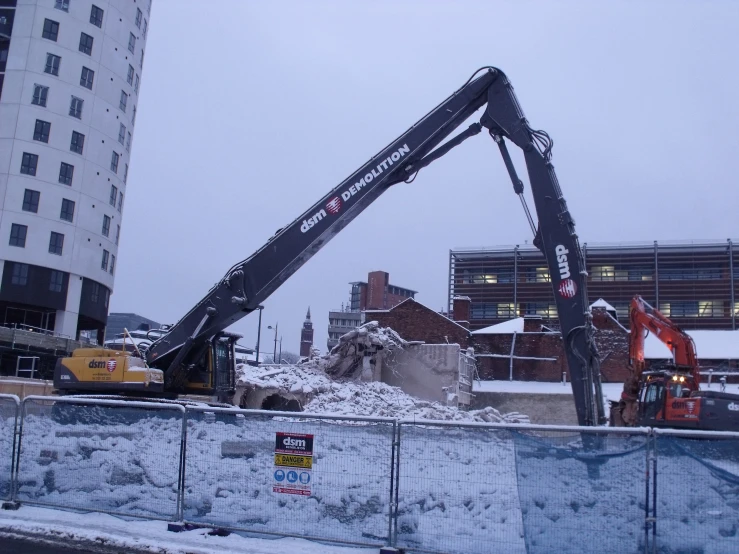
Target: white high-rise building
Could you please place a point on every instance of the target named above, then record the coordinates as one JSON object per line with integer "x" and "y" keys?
{"x": 70, "y": 74}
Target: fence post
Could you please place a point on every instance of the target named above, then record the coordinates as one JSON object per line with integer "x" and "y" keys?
{"x": 396, "y": 471}
{"x": 654, "y": 490}
{"x": 181, "y": 478}
{"x": 17, "y": 456}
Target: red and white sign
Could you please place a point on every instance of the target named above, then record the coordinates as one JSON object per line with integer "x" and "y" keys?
{"x": 691, "y": 406}
{"x": 334, "y": 205}
{"x": 568, "y": 288}
{"x": 111, "y": 365}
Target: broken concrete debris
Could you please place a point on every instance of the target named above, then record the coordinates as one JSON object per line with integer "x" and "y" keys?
{"x": 345, "y": 382}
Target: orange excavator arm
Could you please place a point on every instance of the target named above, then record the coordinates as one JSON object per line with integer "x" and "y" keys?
{"x": 646, "y": 318}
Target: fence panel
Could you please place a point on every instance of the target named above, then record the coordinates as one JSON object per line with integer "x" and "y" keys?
{"x": 9, "y": 411}
{"x": 469, "y": 488}
{"x": 118, "y": 457}
{"x": 582, "y": 486}
{"x": 697, "y": 491}
{"x": 457, "y": 489}
{"x": 231, "y": 478}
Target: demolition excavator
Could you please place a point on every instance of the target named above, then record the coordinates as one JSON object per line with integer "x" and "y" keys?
{"x": 196, "y": 354}
{"x": 668, "y": 394}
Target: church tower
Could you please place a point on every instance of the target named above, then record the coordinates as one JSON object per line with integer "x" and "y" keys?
{"x": 306, "y": 336}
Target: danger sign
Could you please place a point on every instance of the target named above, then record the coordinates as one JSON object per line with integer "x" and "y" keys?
{"x": 292, "y": 470}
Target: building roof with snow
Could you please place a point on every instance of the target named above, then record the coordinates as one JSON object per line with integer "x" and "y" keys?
{"x": 709, "y": 345}
{"x": 505, "y": 328}
{"x": 600, "y": 303}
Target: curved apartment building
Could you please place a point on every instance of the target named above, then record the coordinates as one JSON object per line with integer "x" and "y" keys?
{"x": 70, "y": 73}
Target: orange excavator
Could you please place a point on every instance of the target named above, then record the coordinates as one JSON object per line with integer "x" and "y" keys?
{"x": 668, "y": 394}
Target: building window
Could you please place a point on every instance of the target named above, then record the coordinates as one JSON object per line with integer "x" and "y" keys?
{"x": 106, "y": 226}
{"x": 139, "y": 17}
{"x": 112, "y": 263}
{"x": 143, "y": 31}
{"x": 640, "y": 274}
{"x": 18, "y": 235}
{"x": 124, "y": 101}
{"x": 29, "y": 164}
{"x": 66, "y": 172}
{"x": 537, "y": 275}
{"x": 62, "y": 5}
{"x": 131, "y": 42}
{"x": 95, "y": 293}
{"x": 710, "y": 308}
{"x": 56, "y": 243}
{"x": 129, "y": 77}
{"x": 141, "y": 61}
{"x": 507, "y": 310}
{"x": 133, "y": 118}
{"x": 117, "y": 234}
{"x": 51, "y": 30}
{"x": 20, "y": 274}
{"x": 104, "y": 264}
{"x": 96, "y": 16}
{"x": 128, "y": 142}
{"x": 57, "y": 281}
{"x": 122, "y": 133}
{"x": 679, "y": 309}
{"x": 120, "y": 202}
{"x": 113, "y": 195}
{"x": 41, "y": 131}
{"x": 40, "y": 94}
{"x": 86, "y": 44}
{"x": 30, "y": 200}
{"x": 78, "y": 142}
{"x": 114, "y": 162}
{"x": 136, "y": 86}
{"x": 125, "y": 169}
{"x": 67, "y": 213}
{"x": 75, "y": 107}
{"x": 88, "y": 75}
{"x": 52, "y": 64}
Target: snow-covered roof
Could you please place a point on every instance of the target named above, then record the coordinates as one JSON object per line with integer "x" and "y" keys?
{"x": 600, "y": 303}
{"x": 505, "y": 328}
{"x": 424, "y": 305}
{"x": 709, "y": 345}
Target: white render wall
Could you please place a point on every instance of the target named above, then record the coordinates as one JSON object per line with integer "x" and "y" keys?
{"x": 101, "y": 118}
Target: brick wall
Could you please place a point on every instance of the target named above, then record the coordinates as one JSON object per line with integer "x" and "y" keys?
{"x": 376, "y": 283}
{"x": 612, "y": 342}
{"x": 414, "y": 321}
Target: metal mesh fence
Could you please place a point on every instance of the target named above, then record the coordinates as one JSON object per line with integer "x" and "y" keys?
{"x": 232, "y": 477}
{"x": 104, "y": 456}
{"x": 582, "y": 487}
{"x": 488, "y": 488}
{"x": 9, "y": 410}
{"x": 697, "y": 492}
{"x": 457, "y": 490}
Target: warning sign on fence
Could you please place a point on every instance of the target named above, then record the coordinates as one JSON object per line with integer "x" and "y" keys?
{"x": 293, "y": 464}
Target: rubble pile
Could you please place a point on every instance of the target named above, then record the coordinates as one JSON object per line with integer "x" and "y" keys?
{"x": 322, "y": 394}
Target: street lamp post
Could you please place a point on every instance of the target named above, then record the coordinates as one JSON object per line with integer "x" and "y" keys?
{"x": 274, "y": 353}
{"x": 259, "y": 331}
{"x": 280, "y": 349}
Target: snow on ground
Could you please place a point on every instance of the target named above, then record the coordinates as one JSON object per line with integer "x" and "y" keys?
{"x": 612, "y": 391}
{"x": 374, "y": 399}
{"x": 148, "y": 536}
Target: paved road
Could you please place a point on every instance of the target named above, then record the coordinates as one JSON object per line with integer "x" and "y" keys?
{"x": 17, "y": 546}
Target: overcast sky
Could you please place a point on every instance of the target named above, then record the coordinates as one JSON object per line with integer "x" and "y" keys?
{"x": 251, "y": 111}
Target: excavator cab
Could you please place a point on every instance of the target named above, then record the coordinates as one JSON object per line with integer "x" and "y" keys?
{"x": 652, "y": 401}
{"x": 212, "y": 370}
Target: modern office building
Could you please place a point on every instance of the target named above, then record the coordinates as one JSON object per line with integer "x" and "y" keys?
{"x": 696, "y": 284}
{"x": 117, "y": 322}
{"x": 70, "y": 76}
{"x": 374, "y": 294}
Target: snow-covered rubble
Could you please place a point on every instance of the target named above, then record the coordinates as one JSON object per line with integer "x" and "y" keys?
{"x": 346, "y": 397}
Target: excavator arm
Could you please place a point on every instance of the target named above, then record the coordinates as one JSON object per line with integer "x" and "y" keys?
{"x": 250, "y": 282}
{"x": 644, "y": 318}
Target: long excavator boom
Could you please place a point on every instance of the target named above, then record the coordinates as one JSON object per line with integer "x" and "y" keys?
{"x": 250, "y": 282}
